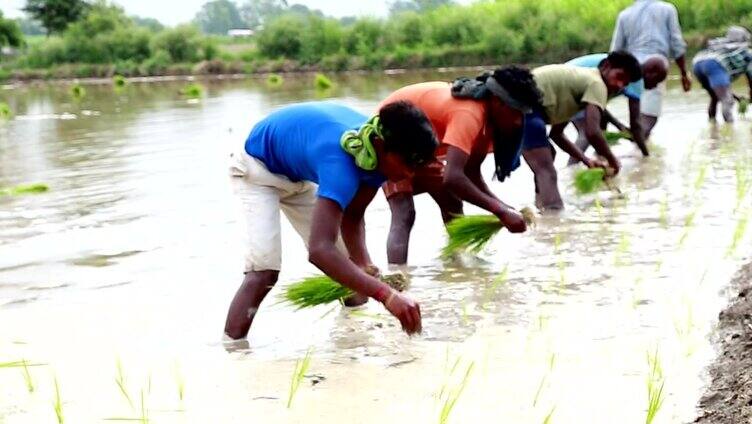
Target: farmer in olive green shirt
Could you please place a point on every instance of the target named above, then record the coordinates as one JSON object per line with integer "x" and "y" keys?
{"x": 567, "y": 90}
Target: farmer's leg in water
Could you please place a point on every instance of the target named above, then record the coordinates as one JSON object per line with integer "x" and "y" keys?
{"x": 724, "y": 95}
{"x": 403, "y": 218}
{"x": 256, "y": 285}
{"x": 581, "y": 142}
{"x": 541, "y": 162}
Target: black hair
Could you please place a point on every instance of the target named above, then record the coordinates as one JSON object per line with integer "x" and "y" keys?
{"x": 625, "y": 60}
{"x": 408, "y": 132}
{"x": 519, "y": 83}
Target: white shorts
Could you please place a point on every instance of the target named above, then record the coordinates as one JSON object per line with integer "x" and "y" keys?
{"x": 651, "y": 101}
{"x": 262, "y": 195}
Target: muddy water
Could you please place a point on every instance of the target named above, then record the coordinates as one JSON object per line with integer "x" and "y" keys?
{"x": 136, "y": 251}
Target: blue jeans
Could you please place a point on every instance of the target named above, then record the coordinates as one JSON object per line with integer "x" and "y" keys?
{"x": 536, "y": 134}
{"x": 711, "y": 74}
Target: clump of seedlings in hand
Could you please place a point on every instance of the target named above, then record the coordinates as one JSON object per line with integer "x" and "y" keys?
{"x": 321, "y": 289}
{"x": 589, "y": 180}
{"x": 301, "y": 367}
{"x": 471, "y": 233}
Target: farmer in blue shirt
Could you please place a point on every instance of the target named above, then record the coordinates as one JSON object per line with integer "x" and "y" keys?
{"x": 725, "y": 59}
{"x": 654, "y": 71}
{"x": 321, "y": 164}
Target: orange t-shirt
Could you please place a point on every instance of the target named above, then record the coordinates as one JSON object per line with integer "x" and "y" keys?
{"x": 457, "y": 122}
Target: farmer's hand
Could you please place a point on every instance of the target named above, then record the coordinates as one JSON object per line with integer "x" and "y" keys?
{"x": 595, "y": 163}
{"x": 406, "y": 310}
{"x": 686, "y": 82}
{"x": 614, "y": 166}
{"x": 512, "y": 220}
{"x": 372, "y": 270}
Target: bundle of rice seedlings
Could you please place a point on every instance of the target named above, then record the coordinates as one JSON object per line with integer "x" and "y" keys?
{"x": 119, "y": 81}
{"x": 193, "y": 91}
{"x": 24, "y": 189}
{"x": 5, "y": 112}
{"x": 322, "y": 82}
{"x": 78, "y": 92}
{"x": 321, "y": 289}
{"x": 274, "y": 80}
{"x": 742, "y": 106}
{"x": 613, "y": 138}
{"x": 471, "y": 233}
{"x": 589, "y": 180}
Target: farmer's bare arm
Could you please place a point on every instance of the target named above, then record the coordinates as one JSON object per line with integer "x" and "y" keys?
{"x": 611, "y": 119}
{"x": 323, "y": 252}
{"x": 354, "y": 227}
{"x": 460, "y": 184}
{"x": 594, "y": 135}
{"x": 560, "y": 139}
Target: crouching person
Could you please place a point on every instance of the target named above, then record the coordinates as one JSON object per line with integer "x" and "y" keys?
{"x": 321, "y": 165}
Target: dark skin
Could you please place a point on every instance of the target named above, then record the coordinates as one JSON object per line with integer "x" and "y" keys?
{"x": 648, "y": 122}
{"x": 541, "y": 160}
{"x": 328, "y": 221}
{"x": 462, "y": 181}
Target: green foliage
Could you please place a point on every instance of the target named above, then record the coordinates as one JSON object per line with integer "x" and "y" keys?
{"x": 56, "y": 15}
{"x": 30, "y": 26}
{"x": 322, "y": 82}
{"x": 10, "y": 33}
{"x": 282, "y": 37}
{"x": 119, "y": 81}
{"x": 453, "y": 395}
{"x": 256, "y": 12}
{"x": 183, "y": 43}
{"x": 5, "y": 111}
{"x": 193, "y": 90}
{"x": 655, "y": 384}
{"x": 471, "y": 233}
{"x": 588, "y": 180}
{"x": 743, "y": 106}
{"x": 613, "y": 138}
{"x": 218, "y": 17}
{"x": 301, "y": 367}
{"x": 24, "y": 189}
{"x": 77, "y": 91}
{"x": 58, "y": 404}
{"x": 274, "y": 80}
{"x": 314, "y": 291}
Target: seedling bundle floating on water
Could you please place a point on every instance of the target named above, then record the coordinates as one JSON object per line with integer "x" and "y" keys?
{"x": 274, "y": 80}
{"x": 322, "y": 82}
{"x": 321, "y": 289}
{"x": 20, "y": 190}
{"x": 5, "y": 112}
{"x": 119, "y": 81}
{"x": 589, "y": 180}
{"x": 78, "y": 92}
{"x": 192, "y": 90}
{"x": 471, "y": 233}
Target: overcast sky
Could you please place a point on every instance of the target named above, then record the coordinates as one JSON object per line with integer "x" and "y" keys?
{"x": 173, "y": 12}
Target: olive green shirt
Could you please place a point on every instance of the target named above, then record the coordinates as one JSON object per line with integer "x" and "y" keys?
{"x": 566, "y": 90}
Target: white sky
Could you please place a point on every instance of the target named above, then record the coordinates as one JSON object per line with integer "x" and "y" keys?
{"x": 173, "y": 12}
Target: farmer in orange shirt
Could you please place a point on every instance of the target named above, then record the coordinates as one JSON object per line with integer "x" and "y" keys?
{"x": 471, "y": 117}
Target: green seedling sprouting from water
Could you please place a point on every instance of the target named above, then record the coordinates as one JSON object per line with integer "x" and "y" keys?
{"x": 301, "y": 367}
{"x": 119, "y": 81}
{"x": 497, "y": 282}
{"x": 454, "y": 394}
{"x": 622, "y": 250}
{"x": 544, "y": 379}
{"x": 688, "y": 223}
{"x": 274, "y": 80}
{"x": 193, "y": 90}
{"x": 78, "y": 92}
{"x": 701, "y": 174}
{"x": 24, "y": 189}
{"x": 58, "y": 404}
{"x": 143, "y": 419}
{"x": 548, "y": 419}
{"x": 322, "y": 82}
{"x": 27, "y": 377}
{"x": 5, "y": 111}
{"x": 180, "y": 383}
{"x": 663, "y": 212}
{"x": 655, "y": 385}
{"x": 560, "y": 266}
{"x": 742, "y": 183}
{"x": 120, "y": 381}
{"x": 739, "y": 231}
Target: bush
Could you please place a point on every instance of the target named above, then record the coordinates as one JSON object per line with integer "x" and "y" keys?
{"x": 282, "y": 37}
{"x": 182, "y": 44}
{"x": 156, "y": 64}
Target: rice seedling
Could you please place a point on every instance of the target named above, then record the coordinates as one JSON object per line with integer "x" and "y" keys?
{"x": 321, "y": 289}
{"x": 688, "y": 223}
{"x": 301, "y": 367}
{"x": 180, "y": 383}
{"x": 58, "y": 404}
{"x": 739, "y": 231}
{"x": 274, "y": 80}
{"x": 5, "y": 111}
{"x": 77, "y": 91}
{"x": 700, "y": 179}
{"x": 589, "y": 180}
{"x": 120, "y": 381}
{"x": 143, "y": 419}
{"x": 119, "y": 81}
{"x": 742, "y": 106}
{"x": 560, "y": 266}
{"x": 655, "y": 385}
{"x": 27, "y": 377}
{"x": 465, "y": 317}
{"x": 471, "y": 233}
{"x": 495, "y": 284}
{"x": 322, "y": 82}
{"x": 613, "y": 138}
{"x": 663, "y": 212}
{"x": 548, "y": 418}
{"x": 539, "y": 390}
{"x": 453, "y": 395}
{"x": 622, "y": 250}
{"x": 742, "y": 183}
{"x": 193, "y": 90}
{"x": 23, "y": 189}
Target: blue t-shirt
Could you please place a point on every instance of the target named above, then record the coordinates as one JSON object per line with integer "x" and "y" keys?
{"x": 302, "y": 142}
{"x": 632, "y": 91}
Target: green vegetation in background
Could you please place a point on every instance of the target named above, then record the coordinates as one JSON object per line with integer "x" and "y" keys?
{"x": 10, "y": 33}
{"x": 102, "y": 41}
